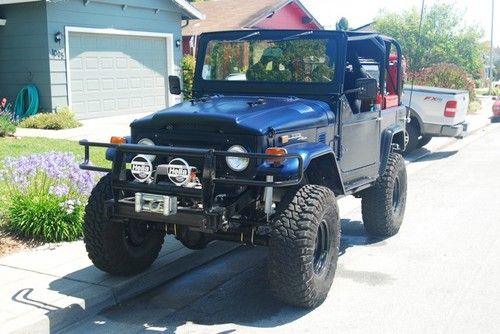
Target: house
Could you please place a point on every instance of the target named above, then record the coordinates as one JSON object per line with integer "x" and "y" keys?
{"x": 244, "y": 14}
{"x": 100, "y": 57}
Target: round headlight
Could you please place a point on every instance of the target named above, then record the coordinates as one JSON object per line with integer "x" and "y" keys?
{"x": 149, "y": 142}
{"x": 236, "y": 163}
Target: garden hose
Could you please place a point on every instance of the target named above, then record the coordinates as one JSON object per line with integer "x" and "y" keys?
{"x": 27, "y": 102}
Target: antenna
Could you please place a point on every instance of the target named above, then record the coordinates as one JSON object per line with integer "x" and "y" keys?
{"x": 415, "y": 53}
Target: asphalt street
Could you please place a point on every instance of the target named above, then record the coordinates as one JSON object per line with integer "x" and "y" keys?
{"x": 440, "y": 274}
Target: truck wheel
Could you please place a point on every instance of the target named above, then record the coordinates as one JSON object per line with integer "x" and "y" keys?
{"x": 424, "y": 140}
{"x": 304, "y": 247}
{"x": 383, "y": 205}
{"x": 413, "y": 134}
{"x": 117, "y": 248}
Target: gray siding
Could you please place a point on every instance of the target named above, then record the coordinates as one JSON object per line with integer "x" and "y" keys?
{"x": 24, "y": 51}
{"x": 138, "y": 16}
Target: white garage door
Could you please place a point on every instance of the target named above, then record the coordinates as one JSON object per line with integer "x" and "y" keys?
{"x": 116, "y": 74}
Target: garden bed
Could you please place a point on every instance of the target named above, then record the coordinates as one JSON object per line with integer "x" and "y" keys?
{"x": 11, "y": 147}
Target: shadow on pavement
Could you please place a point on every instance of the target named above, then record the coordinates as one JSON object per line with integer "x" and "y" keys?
{"x": 437, "y": 156}
{"x": 230, "y": 291}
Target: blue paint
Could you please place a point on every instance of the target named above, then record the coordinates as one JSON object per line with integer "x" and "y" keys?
{"x": 308, "y": 152}
{"x": 234, "y": 114}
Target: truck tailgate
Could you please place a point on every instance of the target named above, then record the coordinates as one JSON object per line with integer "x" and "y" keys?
{"x": 431, "y": 103}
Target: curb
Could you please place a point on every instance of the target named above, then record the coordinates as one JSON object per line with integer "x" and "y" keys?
{"x": 98, "y": 297}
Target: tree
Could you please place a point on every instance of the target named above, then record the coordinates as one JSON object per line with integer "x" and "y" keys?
{"x": 445, "y": 37}
{"x": 342, "y": 24}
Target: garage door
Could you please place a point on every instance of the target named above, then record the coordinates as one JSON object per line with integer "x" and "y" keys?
{"x": 116, "y": 74}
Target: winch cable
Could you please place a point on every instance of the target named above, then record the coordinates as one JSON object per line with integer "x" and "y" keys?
{"x": 27, "y": 102}
{"x": 419, "y": 41}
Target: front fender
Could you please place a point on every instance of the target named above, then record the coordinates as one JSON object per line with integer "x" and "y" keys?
{"x": 393, "y": 134}
{"x": 308, "y": 152}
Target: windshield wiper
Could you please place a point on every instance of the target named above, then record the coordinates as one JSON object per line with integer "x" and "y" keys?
{"x": 297, "y": 35}
{"x": 255, "y": 33}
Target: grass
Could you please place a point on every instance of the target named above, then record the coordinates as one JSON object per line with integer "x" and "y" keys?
{"x": 10, "y": 146}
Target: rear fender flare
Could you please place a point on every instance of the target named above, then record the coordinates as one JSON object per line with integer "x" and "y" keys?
{"x": 394, "y": 134}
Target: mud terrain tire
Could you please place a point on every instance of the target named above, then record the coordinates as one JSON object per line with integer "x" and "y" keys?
{"x": 117, "y": 248}
{"x": 383, "y": 205}
{"x": 304, "y": 247}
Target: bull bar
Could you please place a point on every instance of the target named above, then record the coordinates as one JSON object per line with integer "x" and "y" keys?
{"x": 208, "y": 179}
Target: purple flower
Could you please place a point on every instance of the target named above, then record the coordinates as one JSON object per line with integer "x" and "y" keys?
{"x": 53, "y": 173}
{"x": 59, "y": 190}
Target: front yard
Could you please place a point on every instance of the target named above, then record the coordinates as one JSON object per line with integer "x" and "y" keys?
{"x": 17, "y": 147}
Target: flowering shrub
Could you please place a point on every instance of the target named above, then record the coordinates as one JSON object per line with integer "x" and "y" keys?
{"x": 446, "y": 76}
{"x": 47, "y": 194}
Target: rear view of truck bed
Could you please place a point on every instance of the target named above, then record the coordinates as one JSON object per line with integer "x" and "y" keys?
{"x": 435, "y": 112}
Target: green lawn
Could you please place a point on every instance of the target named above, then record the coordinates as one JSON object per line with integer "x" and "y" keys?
{"x": 13, "y": 147}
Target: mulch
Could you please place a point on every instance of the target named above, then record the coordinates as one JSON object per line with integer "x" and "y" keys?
{"x": 10, "y": 243}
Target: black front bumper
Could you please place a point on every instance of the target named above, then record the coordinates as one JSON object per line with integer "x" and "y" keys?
{"x": 212, "y": 213}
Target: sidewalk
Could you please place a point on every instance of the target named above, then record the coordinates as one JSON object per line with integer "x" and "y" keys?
{"x": 98, "y": 129}
{"x": 47, "y": 289}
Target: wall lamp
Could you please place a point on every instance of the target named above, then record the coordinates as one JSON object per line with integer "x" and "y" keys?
{"x": 58, "y": 37}
{"x": 178, "y": 43}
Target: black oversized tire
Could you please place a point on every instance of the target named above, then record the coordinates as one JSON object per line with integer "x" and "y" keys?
{"x": 413, "y": 134}
{"x": 304, "y": 247}
{"x": 383, "y": 205}
{"x": 117, "y": 248}
{"x": 424, "y": 140}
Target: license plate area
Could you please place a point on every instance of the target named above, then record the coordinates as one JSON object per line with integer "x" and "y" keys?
{"x": 165, "y": 205}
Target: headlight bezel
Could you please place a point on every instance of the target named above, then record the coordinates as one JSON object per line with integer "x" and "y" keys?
{"x": 237, "y": 164}
{"x": 148, "y": 142}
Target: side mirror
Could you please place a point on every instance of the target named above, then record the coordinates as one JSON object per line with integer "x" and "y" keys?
{"x": 174, "y": 84}
{"x": 367, "y": 88}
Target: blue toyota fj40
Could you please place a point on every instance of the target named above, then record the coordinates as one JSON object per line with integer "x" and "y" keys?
{"x": 282, "y": 124}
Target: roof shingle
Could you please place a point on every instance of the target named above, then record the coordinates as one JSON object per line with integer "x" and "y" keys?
{"x": 230, "y": 14}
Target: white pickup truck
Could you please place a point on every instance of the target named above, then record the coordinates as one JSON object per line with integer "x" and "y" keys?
{"x": 435, "y": 112}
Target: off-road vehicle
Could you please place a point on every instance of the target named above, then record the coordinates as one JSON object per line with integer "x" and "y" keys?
{"x": 282, "y": 123}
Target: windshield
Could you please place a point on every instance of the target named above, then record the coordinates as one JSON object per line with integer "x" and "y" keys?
{"x": 286, "y": 60}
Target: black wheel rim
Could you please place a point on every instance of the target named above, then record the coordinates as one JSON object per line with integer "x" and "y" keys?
{"x": 321, "y": 248}
{"x": 135, "y": 235}
{"x": 396, "y": 195}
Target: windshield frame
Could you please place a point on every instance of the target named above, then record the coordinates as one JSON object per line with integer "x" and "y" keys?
{"x": 207, "y": 87}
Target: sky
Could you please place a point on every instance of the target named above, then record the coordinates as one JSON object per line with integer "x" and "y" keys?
{"x": 361, "y": 12}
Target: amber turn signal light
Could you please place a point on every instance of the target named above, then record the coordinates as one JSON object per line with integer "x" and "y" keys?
{"x": 118, "y": 140}
{"x": 278, "y": 161}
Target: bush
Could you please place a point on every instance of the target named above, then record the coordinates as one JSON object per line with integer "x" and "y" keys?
{"x": 474, "y": 107}
{"x": 188, "y": 65}
{"x": 6, "y": 126}
{"x": 495, "y": 91}
{"x": 446, "y": 76}
{"x": 61, "y": 119}
{"x": 46, "y": 196}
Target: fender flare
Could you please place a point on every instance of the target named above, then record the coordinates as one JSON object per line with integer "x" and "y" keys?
{"x": 393, "y": 134}
{"x": 309, "y": 152}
